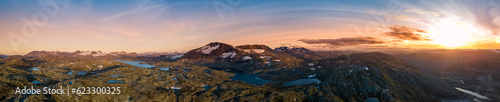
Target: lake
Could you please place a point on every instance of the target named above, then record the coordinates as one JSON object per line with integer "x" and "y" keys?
{"x": 472, "y": 93}
{"x": 240, "y": 76}
{"x": 304, "y": 81}
{"x": 141, "y": 64}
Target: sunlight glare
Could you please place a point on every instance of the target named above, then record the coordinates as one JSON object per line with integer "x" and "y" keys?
{"x": 452, "y": 33}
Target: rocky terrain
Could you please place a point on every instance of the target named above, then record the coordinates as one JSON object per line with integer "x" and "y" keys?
{"x": 222, "y": 72}
{"x": 475, "y": 70}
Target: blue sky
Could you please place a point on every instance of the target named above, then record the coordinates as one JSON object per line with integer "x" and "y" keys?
{"x": 181, "y": 25}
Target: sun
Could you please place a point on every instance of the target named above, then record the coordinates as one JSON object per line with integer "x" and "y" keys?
{"x": 452, "y": 33}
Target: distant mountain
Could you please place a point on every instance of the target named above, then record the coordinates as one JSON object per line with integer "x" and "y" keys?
{"x": 470, "y": 69}
{"x": 254, "y": 48}
{"x": 441, "y": 60}
{"x": 362, "y": 75}
{"x": 247, "y": 58}
{"x": 212, "y": 50}
{"x": 3, "y": 56}
{"x": 291, "y": 50}
{"x": 306, "y": 54}
{"x": 95, "y": 54}
{"x": 353, "y": 77}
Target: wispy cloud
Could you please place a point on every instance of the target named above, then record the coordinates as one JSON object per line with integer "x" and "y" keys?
{"x": 402, "y": 17}
{"x": 423, "y": 12}
{"x": 141, "y": 7}
{"x": 345, "y": 41}
{"x": 485, "y": 15}
{"x": 407, "y": 33}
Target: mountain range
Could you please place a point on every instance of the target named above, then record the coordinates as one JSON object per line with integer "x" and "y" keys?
{"x": 3, "y": 56}
{"x": 222, "y": 72}
{"x": 477, "y": 70}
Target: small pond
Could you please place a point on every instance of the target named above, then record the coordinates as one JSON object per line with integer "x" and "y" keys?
{"x": 71, "y": 72}
{"x": 114, "y": 81}
{"x": 34, "y": 68}
{"x": 164, "y": 69}
{"x": 81, "y": 72}
{"x": 36, "y": 82}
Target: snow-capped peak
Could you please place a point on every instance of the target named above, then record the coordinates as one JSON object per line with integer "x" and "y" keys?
{"x": 93, "y": 53}
{"x": 281, "y": 49}
{"x": 84, "y": 53}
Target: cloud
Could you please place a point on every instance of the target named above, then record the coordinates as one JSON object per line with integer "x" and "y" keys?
{"x": 141, "y": 8}
{"x": 482, "y": 12}
{"x": 424, "y": 12}
{"x": 402, "y": 17}
{"x": 344, "y": 41}
{"x": 407, "y": 33}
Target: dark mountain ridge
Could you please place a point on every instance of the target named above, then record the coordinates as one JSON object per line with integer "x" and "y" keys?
{"x": 362, "y": 75}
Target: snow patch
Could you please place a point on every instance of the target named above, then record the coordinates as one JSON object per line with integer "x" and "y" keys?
{"x": 310, "y": 64}
{"x": 258, "y": 50}
{"x": 265, "y": 57}
{"x": 176, "y": 56}
{"x": 310, "y": 76}
{"x": 208, "y": 49}
{"x": 246, "y": 51}
{"x": 247, "y": 57}
{"x": 228, "y": 54}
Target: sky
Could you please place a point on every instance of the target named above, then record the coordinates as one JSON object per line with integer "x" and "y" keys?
{"x": 182, "y": 25}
